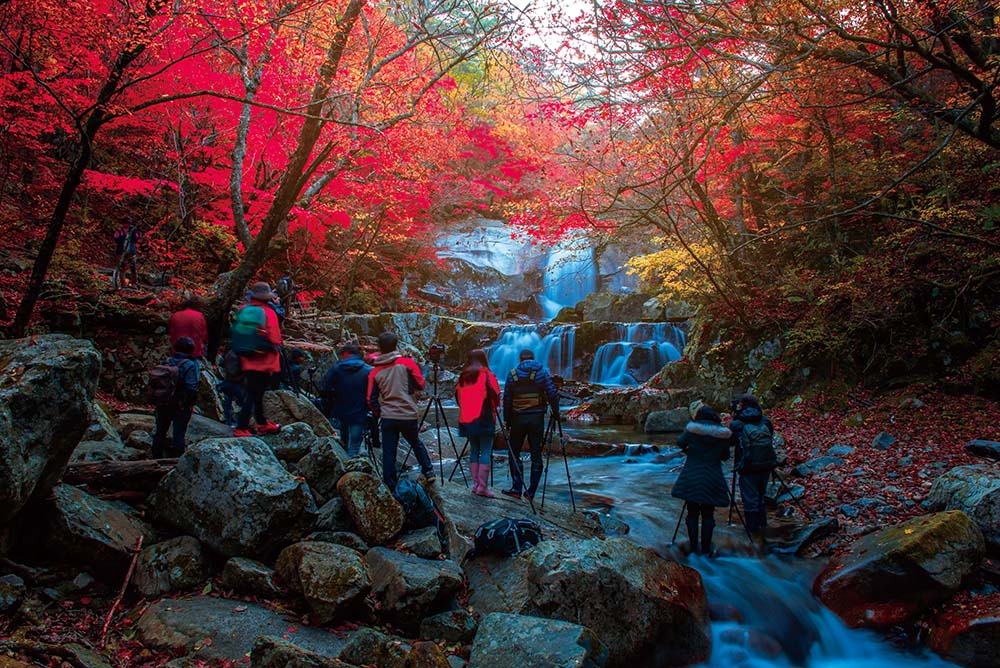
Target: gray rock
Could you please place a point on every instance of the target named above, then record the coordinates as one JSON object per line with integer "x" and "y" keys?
{"x": 410, "y": 588}
{"x": 849, "y": 510}
{"x": 345, "y": 538}
{"x": 423, "y": 543}
{"x": 333, "y": 579}
{"x": 883, "y": 441}
{"x": 105, "y": 451}
{"x": 246, "y": 576}
{"x": 374, "y": 511}
{"x": 670, "y": 421}
{"x": 983, "y": 448}
{"x": 451, "y": 626}
{"x": 46, "y": 392}
{"x": 840, "y": 450}
{"x": 234, "y": 496}
{"x": 140, "y": 440}
{"x": 173, "y": 565}
{"x": 293, "y": 441}
{"x": 505, "y": 640}
{"x": 324, "y": 466}
{"x": 83, "y": 529}
{"x": 974, "y": 489}
{"x": 12, "y": 592}
{"x": 100, "y": 428}
{"x": 210, "y": 628}
{"x": 208, "y": 401}
{"x": 369, "y": 647}
{"x": 333, "y": 516}
{"x": 817, "y": 464}
{"x": 286, "y": 407}
{"x": 274, "y": 653}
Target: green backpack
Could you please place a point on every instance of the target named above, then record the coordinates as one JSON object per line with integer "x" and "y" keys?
{"x": 247, "y": 335}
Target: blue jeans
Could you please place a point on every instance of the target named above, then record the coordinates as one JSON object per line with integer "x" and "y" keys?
{"x": 352, "y": 436}
{"x": 481, "y": 449}
{"x": 752, "y": 489}
{"x": 392, "y": 429}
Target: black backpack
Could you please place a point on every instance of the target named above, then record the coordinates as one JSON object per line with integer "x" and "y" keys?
{"x": 507, "y": 536}
{"x": 164, "y": 386}
{"x": 525, "y": 393}
{"x": 757, "y": 443}
{"x": 232, "y": 367}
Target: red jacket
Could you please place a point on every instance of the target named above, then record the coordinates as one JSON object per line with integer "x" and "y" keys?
{"x": 478, "y": 399}
{"x": 391, "y": 385}
{"x": 189, "y": 322}
{"x": 268, "y": 361}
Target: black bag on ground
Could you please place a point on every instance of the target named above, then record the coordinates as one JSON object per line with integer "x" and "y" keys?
{"x": 416, "y": 504}
{"x": 507, "y": 536}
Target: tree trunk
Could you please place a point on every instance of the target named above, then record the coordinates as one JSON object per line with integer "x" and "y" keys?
{"x": 135, "y": 476}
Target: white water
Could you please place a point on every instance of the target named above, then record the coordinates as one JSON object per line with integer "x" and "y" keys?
{"x": 554, "y": 350}
{"x": 664, "y": 341}
{"x": 570, "y": 275}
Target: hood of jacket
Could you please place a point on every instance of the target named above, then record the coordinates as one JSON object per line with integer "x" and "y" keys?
{"x": 527, "y": 366}
{"x": 708, "y": 429}
{"x": 351, "y": 364}
{"x": 386, "y": 358}
{"x": 750, "y": 414}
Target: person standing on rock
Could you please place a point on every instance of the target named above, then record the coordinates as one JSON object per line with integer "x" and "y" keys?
{"x": 347, "y": 384}
{"x": 701, "y": 483}
{"x": 391, "y": 385}
{"x": 753, "y": 438}
{"x": 176, "y": 412}
{"x": 528, "y": 392}
{"x": 260, "y": 357}
{"x": 478, "y": 397}
{"x": 190, "y": 322}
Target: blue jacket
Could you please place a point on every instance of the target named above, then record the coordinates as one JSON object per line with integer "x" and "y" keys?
{"x": 542, "y": 380}
{"x": 190, "y": 374}
{"x": 347, "y": 380}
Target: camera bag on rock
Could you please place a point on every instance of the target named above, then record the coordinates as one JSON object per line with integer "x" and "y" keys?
{"x": 507, "y": 536}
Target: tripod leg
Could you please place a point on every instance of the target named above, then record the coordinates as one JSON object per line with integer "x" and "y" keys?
{"x": 454, "y": 469}
{"x": 454, "y": 448}
{"x": 732, "y": 497}
{"x": 746, "y": 529}
{"x": 569, "y": 478}
{"x": 680, "y": 518}
{"x": 548, "y": 459}
{"x": 783, "y": 485}
{"x": 515, "y": 461}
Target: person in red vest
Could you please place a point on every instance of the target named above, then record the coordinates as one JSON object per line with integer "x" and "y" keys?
{"x": 478, "y": 397}
{"x": 260, "y": 366}
{"x": 190, "y": 322}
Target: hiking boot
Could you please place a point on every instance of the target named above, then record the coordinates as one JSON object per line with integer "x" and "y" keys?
{"x": 242, "y": 433}
{"x": 429, "y": 477}
{"x": 268, "y": 428}
{"x": 513, "y": 493}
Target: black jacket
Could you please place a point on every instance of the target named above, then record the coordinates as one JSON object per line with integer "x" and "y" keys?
{"x": 701, "y": 481}
{"x": 749, "y": 415}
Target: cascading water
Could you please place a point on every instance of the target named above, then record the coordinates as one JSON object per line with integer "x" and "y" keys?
{"x": 570, "y": 275}
{"x": 554, "y": 350}
{"x": 641, "y": 350}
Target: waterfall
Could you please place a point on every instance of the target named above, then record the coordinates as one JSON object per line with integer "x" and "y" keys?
{"x": 640, "y": 351}
{"x": 570, "y": 275}
{"x": 554, "y": 349}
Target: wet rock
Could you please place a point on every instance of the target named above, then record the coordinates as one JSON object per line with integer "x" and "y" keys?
{"x": 345, "y": 538}
{"x": 426, "y": 655}
{"x": 371, "y": 647}
{"x": 373, "y": 509}
{"x": 969, "y": 638}
{"x": 293, "y": 441}
{"x": 410, "y": 588}
{"x": 140, "y": 440}
{"x": 983, "y": 448}
{"x": 12, "y": 592}
{"x": 778, "y": 492}
{"x": 234, "y": 496}
{"x": 79, "y": 528}
{"x": 840, "y": 450}
{"x": 894, "y": 574}
{"x": 646, "y": 610}
{"x": 816, "y": 464}
{"x": 883, "y": 441}
{"x": 332, "y": 578}
{"x": 451, "y": 626}
{"x": 210, "y": 628}
{"x": 274, "y": 653}
{"x": 333, "y": 516}
{"x": 755, "y": 642}
{"x": 173, "y": 565}
{"x": 246, "y": 576}
{"x": 47, "y": 386}
{"x": 670, "y": 421}
{"x": 505, "y": 640}
{"x": 724, "y": 612}
{"x": 423, "y": 543}
{"x": 798, "y": 537}
{"x": 323, "y": 466}
{"x": 286, "y": 407}
{"x": 105, "y": 451}
{"x": 975, "y": 490}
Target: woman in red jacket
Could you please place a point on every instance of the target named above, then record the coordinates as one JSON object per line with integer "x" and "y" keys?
{"x": 478, "y": 396}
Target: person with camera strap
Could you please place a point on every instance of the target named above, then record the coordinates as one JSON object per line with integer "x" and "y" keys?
{"x": 528, "y": 393}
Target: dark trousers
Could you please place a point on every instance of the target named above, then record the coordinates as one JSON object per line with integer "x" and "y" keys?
{"x": 705, "y": 513}
{"x": 353, "y": 437}
{"x": 174, "y": 416}
{"x": 752, "y": 489}
{"x": 255, "y": 383}
{"x": 532, "y": 427}
{"x": 392, "y": 429}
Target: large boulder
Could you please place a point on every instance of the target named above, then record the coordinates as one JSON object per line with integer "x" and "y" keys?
{"x": 246, "y": 576}
{"x": 967, "y": 632}
{"x": 375, "y": 512}
{"x": 77, "y": 527}
{"x": 47, "y": 384}
{"x": 234, "y": 496}
{"x": 892, "y": 575}
{"x": 670, "y": 421}
{"x": 974, "y": 490}
{"x": 518, "y": 640}
{"x": 274, "y": 653}
{"x": 369, "y": 647}
{"x": 173, "y": 565}
{"x": 208, "y": 401}
{"x": 293, "y": 441}
{"x": 286, "y": 407}
{"x": 410, "y": 588}
{"x": 646, "y": 610}
{"x": 983, "y": 448}
{"x": 332, "y": 578}
{"x": 322, "y": 467}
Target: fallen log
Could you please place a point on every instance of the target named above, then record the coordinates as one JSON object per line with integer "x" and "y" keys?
{"x": 135, "y": 476}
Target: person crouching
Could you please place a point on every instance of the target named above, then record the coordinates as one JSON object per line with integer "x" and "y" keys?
{"x": 701, "y": 483}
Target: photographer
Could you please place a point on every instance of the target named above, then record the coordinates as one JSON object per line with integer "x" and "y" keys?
{"x": 391, "y": 385}
{"x": 528, "y": 392}
{"x": 701, "y": 483}
{"x": 753, "y": 436}
{"x": 478, "y": 397}
{"x": 346, "y": 383}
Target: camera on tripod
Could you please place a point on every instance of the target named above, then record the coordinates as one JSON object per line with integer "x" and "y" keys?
{"x": 436, "y": 353}
{"x": 558, "y": 381}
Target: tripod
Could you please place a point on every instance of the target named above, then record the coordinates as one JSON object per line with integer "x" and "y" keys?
{"x": 370, "y": 439}
{"x": 439, "y": 417}
{"x": 555, "y": 424}
{"x": 732, "y": 504}
{"x": 782, "y": 488}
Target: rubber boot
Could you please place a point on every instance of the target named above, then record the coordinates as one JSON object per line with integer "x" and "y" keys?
{"x": 691, "y": 521}
{"x": 474, "y": 472}
{"x": 484, "y": 482}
